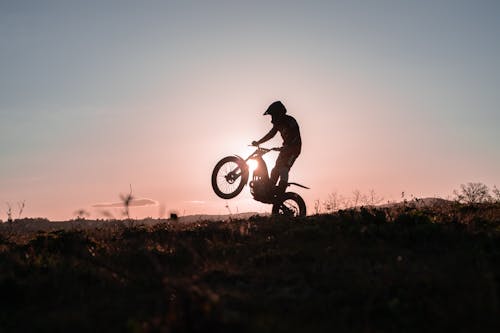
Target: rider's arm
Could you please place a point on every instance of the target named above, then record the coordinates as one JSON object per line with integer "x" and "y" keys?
{"x": 268, "y": 136}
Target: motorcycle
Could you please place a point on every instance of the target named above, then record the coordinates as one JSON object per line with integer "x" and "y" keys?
{"x": 231, "y": 174}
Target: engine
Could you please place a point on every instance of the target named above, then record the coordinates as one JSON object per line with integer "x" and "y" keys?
{"x": 259, "y": 186}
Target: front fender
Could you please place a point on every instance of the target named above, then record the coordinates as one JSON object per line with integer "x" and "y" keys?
{"x": 242, "y": 160}
{"x": 245, "y": 170}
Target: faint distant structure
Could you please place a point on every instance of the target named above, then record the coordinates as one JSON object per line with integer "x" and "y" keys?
{"x": 81, "y": 214}
{"x": 107, "y": 214}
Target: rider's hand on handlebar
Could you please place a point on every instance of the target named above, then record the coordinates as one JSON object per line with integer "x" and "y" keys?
{"x": 255, "y": 143}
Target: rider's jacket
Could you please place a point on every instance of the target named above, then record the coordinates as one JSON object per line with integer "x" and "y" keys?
{"x": 289, "y": 130}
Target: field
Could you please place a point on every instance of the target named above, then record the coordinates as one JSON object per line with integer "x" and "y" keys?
{"x": 398, "y": 269}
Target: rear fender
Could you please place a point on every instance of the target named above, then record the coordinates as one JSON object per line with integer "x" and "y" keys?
{"x": 299, "y": 185}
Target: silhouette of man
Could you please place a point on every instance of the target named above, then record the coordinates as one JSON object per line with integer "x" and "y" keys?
{"x": 292, "y": 144}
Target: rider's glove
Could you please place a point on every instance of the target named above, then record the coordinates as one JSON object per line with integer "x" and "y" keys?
{"x": 255, "y": 143}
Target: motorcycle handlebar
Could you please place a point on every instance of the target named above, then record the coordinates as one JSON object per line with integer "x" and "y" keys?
{"x": 266, "y": 149}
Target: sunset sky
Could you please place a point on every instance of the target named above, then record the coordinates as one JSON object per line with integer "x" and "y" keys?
{"x": 97, "y": 95}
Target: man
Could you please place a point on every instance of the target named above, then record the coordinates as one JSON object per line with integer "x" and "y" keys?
{"x": 292, "y": 143}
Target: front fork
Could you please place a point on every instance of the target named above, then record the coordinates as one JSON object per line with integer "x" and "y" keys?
{"x": 240, "y": 171}
{"x": 233, "y": 175}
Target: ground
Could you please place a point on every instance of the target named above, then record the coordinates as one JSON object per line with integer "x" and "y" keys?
{"x": 403, "y": 269}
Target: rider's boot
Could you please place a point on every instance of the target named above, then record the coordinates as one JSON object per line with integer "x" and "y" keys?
{"x": 283, "y": 183}
{"x": 279, "y": 190}
{"x": 281, "y": 173}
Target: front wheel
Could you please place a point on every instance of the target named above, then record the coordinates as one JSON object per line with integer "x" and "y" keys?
{"x": 229, "y": 177}
{"x": 291, "y": 204}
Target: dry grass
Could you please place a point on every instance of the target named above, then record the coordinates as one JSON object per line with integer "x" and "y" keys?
{"x": 406, "y": 268}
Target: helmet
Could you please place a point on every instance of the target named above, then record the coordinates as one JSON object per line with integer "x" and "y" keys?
{"x": 276, "y": 109}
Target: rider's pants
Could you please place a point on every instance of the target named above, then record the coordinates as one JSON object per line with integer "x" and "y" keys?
{"x": 285, "y": 160}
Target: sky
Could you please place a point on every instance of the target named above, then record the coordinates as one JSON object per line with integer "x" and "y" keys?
{"x": 100, "y": 96}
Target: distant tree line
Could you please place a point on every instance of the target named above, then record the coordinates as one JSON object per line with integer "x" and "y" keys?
{"x": 474, "y": 193}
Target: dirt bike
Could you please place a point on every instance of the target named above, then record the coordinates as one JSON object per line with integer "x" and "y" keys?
{"x": 231, "y": 174}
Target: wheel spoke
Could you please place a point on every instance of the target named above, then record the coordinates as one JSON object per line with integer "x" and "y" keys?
{"x": 227, "y": 186}
{"x": 291, "y": 205}
{"x": 229, "y": 177}
{"x": 290, "y": 208}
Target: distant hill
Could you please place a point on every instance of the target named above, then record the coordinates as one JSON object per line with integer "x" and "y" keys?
{"x": 42, "y": 224}
{"x": 205, "y": 217}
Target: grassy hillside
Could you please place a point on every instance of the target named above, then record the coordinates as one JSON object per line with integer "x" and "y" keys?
{"x": 403, "y": 269}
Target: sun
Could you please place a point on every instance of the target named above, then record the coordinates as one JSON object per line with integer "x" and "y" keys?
{"x": 252, "y": 165}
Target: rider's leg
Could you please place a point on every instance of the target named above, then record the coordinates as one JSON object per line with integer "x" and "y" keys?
{"x": 275, "y": 174}
{"x": 282, "y": 185}
{"x": 284, "y": 162}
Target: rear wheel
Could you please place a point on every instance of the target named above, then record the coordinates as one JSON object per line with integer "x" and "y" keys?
{"x": 291, "y": 204}
{"x": 229, "y": 177}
